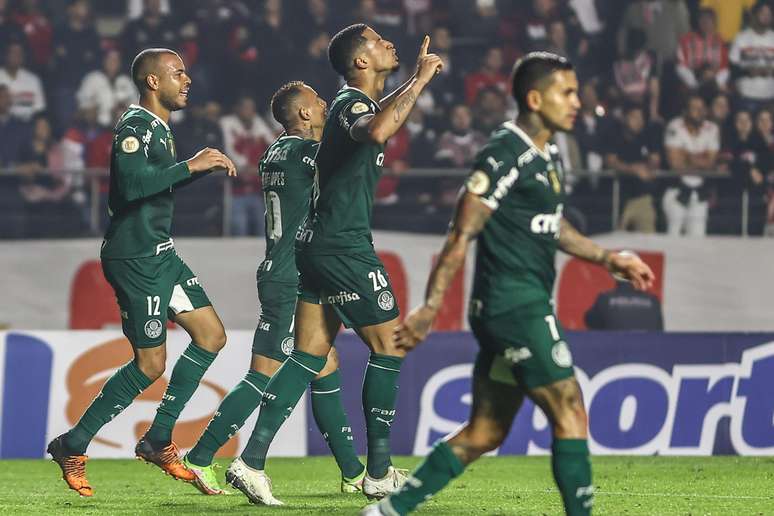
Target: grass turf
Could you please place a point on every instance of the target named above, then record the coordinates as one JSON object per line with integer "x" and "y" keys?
{"x": 492, "y": 486}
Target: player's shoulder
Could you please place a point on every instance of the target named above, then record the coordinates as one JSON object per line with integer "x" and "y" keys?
{"x": 355, "y": 100}
{"x": 136, "y": 117}
{"x": 503, "y": 144}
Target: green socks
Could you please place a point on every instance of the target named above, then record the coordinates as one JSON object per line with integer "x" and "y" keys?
{"x": 188, "y": 371}
{"x": 232, "y": 413}
{"x": 117, "y": 393}
{"x": 380, "y": 389}
{"x": 282, "y": 394}
{"x": 436, "y": 471}
{"x": 332, "y": 421}
{"x": 572, "y": 472}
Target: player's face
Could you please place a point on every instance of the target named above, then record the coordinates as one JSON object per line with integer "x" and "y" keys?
{"x": 173, "y": 82}
{"x": 316, "y": 105}
{"x": 381, "y": 53}
{"x": 559, "y": 101}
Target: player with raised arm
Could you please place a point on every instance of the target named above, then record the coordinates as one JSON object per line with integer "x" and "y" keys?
{"x": 287, "y": 176}
{"x": 512, "y": 204}
{"x": 151, "y": 282}
{"x": 340, "y": 277}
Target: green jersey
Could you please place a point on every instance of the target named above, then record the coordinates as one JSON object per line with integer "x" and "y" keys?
{"x": 143, "y": 172}
{"x": 347, "y": 173}
{"x": 517, "y": 247}
{"x": 287, "y": 176}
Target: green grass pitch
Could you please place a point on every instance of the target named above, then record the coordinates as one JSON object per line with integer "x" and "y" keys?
{"x": 492, "y": 486}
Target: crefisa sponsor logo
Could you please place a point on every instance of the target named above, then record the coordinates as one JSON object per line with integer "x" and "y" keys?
{"x": 634, "y": 408}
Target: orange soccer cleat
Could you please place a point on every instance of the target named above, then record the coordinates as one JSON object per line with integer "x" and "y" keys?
{"x": 73, "y": 467}
{"x": 167, "y": 458}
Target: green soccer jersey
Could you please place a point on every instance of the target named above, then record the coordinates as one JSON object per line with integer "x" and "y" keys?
{"x": 516, "y": 248}
{"x": 347, "y": 173}
{"x": 143, "y": 172}
{"x": 287, "y": 176}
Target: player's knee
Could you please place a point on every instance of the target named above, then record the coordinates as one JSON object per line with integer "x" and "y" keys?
{"x": 483, "y": 440}
{"x": 386, "y": 346}
{"x": 571, "y": 421}
{"x": 214, "y": 340}
{"x": 152, "y": 367}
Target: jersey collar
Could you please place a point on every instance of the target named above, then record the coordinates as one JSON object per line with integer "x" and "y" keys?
{"x": 154, "y": 115}
{"x": 348, "y": 87}
{"x": 544, "y": 152}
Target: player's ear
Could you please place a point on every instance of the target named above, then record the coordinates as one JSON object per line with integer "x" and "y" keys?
{"x": 361, "y": 62}
{"x": 305, "y": 113}
{"x": 534, "y": 100}
{"x": 152, "y": 81}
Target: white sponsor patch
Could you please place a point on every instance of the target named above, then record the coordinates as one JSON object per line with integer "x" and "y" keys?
{"x": 358, "y": 107}
{"x": 287, "y": 345}
{"x": 478, "y": 182}
{"x": 153, "y": 328}
{"x": 130, "y": 144}
{"x": 561, "y": 354}
{"x": 386, "y": 301}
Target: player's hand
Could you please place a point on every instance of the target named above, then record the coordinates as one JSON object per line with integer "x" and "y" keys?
{"x": 414, "y": 328}
{"x": 207, "y": 159}
{"x": 428, "y": 65}
{"x": 631, "y": 268}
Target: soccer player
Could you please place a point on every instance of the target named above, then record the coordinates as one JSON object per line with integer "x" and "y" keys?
{"x": 340, "y": 277}
{"x": 151, "y": 282}
{"x": 287, "y": 175}
{"x": 512, "y": 204}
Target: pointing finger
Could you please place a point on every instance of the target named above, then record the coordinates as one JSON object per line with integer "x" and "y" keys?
{"x": 425, "y": 46}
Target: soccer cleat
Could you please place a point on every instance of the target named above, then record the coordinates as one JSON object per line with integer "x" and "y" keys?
{"x": 254, "y": 484}
{"x": 73, "y": 467}
{"x": 382, "y": 508}
{"x": 354, "y": 484}
{"x": 378, "y": 488}
{"x": 206, "y": 479}
{"x": 167, "y": 458}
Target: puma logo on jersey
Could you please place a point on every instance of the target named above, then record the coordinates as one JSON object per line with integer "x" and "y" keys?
{"x": 541, "y": 176}
{"x": 494, "y": 163}
{"x": 163, "y": 142}
{"x": 547, "y": 223}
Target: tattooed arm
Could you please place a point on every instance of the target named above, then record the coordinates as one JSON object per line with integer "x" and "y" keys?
{"x": 396, "y": 107}
{"x": 629, "y": 266}
{"x": 470, "y": 218}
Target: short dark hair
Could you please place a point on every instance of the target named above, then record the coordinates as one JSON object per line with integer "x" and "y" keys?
{"x": 343, "y": 47}
{"x": 145, "y": 64}
{"x": 282, "y": 101}
{"x": 531, "y": 71}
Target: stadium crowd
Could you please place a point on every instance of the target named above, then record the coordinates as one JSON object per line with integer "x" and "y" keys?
{"x": 677, "y": 99}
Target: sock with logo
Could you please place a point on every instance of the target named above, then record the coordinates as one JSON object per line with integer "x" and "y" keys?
{"x": 187, "y": 373}
{"x": 332, "y": 421}
{"x": 117, "y": 393}
{"x": 380, "y": 390}
{"x": 232, "y": 413}
{"x": 282, "y": 394}
{"x": 436, "y": 471}
{"x": 572, "y": 472}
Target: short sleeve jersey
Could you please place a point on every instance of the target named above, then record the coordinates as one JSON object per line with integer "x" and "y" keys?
{"x": 287, "y": 176}
{"x": 517, "y": 247}
{"x": 347, "y": 173}
{"x": 143, "y": 172}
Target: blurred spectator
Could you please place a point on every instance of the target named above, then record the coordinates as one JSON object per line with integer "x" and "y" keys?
{"x": 764, "y": 125}
{"x": 316, "y": 17}
{"x": 535, "y": 26}
{"x": 636, "y": 75}
{"x": 199, "y": 130}
{"x": 625, "y": 309}
{"x": 702, "y": 56}
{"x": 152, "y": 29}
{"x": 245, "y": 137}
{"x": 476, "y": 21}
{"x": 48, "y": 210}
{"x": 593, "y": 123}
{"x": 24, "y": 86}
{"x": 107, "y": 87}
{"x": 636, "y": 154}
{"x": 10, "y": 32}
{"x": 752, "y": 59}
{"x": 458, "y": 146}
{"x": 276, "y": 49}
{"x": 490, "y": 110}
{"x": 750, "y": 160}
{"x": 422, "y": 139}
{"x": 13, "y": 130}
{"x": 446, "y": 86}
{"x": 396, "y": 163}
{"x": 315, "y": 68}
{"x": 662, "y": 21}
{"x": 38, "y": 31}
{"x": 720, "y": 113}
{"x": 588, "y": 16}
{"x": 490, "y": 74}
{"x": 730, "y": 14}
{"x": 77, "y": 51}
{"x": 692, "y": 143}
